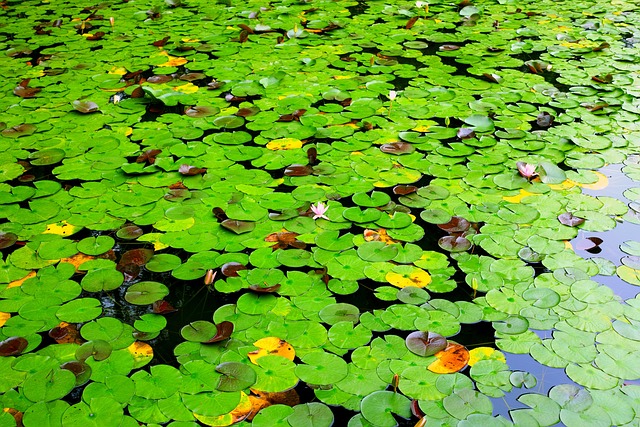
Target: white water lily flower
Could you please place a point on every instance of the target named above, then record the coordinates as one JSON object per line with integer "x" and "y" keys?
{"x": 392, "y": 95}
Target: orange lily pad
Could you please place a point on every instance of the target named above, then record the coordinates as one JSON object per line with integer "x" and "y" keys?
{"x": 453, "y": 358}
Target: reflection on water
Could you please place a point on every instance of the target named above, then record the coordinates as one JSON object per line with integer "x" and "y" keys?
{"x": 609, "y": 249}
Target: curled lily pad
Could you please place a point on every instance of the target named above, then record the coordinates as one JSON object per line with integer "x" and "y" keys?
{"x": 397, "y": 148}
{"x": 425, "y": 343}
{"x": 85, "y": 106}
{"x": 207, "y": 332}
{"x": 454, "y": 243}
{"x": 238, "y": 227}
{"x": 81, "y": 370}
{"x": 567, "y": 218}
{"x": 13, "y": 346}
{"x": 7, "y": 239}
{"x": 455, "y": 225}
{"x": 16, "y": 131}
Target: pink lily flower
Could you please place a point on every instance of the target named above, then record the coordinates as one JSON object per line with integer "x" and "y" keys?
{"x": 319, "y": 210}
{"x": 527, "y": 170}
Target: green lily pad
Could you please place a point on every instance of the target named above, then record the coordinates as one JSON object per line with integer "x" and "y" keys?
{"x": 95, "y": 245}
{"x": 312, "y": 414}
{"x": 378, "y": 407}
{"x": 79, "y": 310}
{"x": 321, "y": 368}
{"x": 102, "y": 279}
{"x": 235, "y": 376}
{"x": 146, "y": 292}
{"x": 48, "y": 385}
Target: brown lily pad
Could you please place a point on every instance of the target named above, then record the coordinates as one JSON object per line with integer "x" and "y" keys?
{"x": 397, "y": 148}
{"x": 85, "y": 106}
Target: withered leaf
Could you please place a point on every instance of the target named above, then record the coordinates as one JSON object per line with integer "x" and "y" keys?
{"x": 191, "y": 170}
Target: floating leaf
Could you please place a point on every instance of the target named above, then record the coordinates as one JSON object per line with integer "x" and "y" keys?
{"x": 403, "y": 276}
{"x": 453, "y": 358}
{"x": 425, "y": 343}
{"x": 85, "y": 107}
{"x": 271, "y": 346}
{"x": 13, "y": 346}
{"x": 567, "y": 218}
{"x": 235, "y": 376}
{"x": 146, "y": 292}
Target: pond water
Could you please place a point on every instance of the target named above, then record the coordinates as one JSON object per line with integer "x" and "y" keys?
{"x": 348, "y": 213}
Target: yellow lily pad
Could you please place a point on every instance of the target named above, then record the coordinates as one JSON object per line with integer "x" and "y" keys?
{"x": 284, "y": 144}
{"x": 485, "y": 353}
{"x": 403, "y": 276}
{"x": 272, "y": 346}
{"x": 62, "y": 228}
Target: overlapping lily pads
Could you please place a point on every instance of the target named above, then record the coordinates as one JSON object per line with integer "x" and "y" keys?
{"x": 348, "y": 184}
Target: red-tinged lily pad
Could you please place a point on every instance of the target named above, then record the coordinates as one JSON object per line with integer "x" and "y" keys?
{"x": 223, "y": 331}
{"x": 397, "y": 148}
{"x": 588, "y": 244}
{"x": 492, "y": 77}
{"x": 163, "y": 307}
{"x": 25, "y": 91}
{"x": 200, "y": 111}
{"x": 544, "y": 119}
{"x": 236, "y": 376}
{"x": 191, "y": 170}
{"x": 137, "y": 257}
{"x": 159, "y": 79}
{"x": 448, "y": 47}
{"x": 147, "y": 292}
{"x": 23, "y": 129}
{"x": 7, "y": 239}
{"x": 81, "y": 370}
{"x": 192, "y": 77}
{"x": 425, "y": 343}
{"x": 265, "y": 289}
{"x": 13, "y": 346}
{"x": 98, "y": 35}
{"x": 567, "y": 218}
{"x": 230, "y": 269}
{"x": 454, "y": 243}
{"x": 206, "y": 332}
{"x": 466, "y": 133}
{"x": 148, "y": 156}
{"x": 85, "y": 106}
{"x": 403, "y": 190}
{"x": 298, "y": 170}
{"x": 238, "y": 227}
{"x": 129, "y": 232}
{"x": 457, "y": 224}
{"x": 247, "y": 112}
